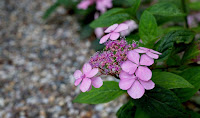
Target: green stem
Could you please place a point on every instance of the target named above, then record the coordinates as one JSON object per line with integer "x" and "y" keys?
{"x": 185, "y": 11}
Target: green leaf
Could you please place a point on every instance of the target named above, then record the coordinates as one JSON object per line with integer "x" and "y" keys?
{"x": 148, "y": 29}
{"x": 191, "y": 52}
{"x": 135, "y": 5}
{"x": 141, "y": 114}
{"x": 192, "y": 75}
{"x": 194, "y": 114}
{"x": 127, "y": 110}
{"x": 115, "y": 15}
{"x": 169, "y": 80}
{"x": 108, "y": 92}
{"x": 160, "y": 103}
{"x": 165, "y": 9}
{"x": 194, "y": 5}
{"x": 166, "y": 44}
{"x": 50, "y": 10}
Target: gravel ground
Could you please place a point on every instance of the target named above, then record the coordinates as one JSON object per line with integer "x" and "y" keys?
{"x": 37, "y": 61}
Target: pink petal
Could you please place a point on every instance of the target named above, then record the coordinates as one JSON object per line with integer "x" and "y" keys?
{"x": 125, "y": 84}
{"x": 104, "y": 38}
{"x": 77, "y": 74}
{"x": 111, "y": 28}
{"x": 143, "y": 48}
{"x": 87, "y": 68}
{"x": 114, "y": 36}
{"x": 133, "y": 56}
{"x": 152, "y": 55}
{"x": 121, "y": 27}
{"x": 99, "y": 32}
{"x": 129, "y": 67}
{"x": 90, "y": 88}
{"x": 136, "y": 91}
{"x": 78, "y": 81}
{"x": 144, "y": 73}
{"x": 92, "y": 73}
{"x": 85, "y": 85}
{"x": 146, "y": 60}
{"x": 125, "y": 75}
{"x": 97, "y": 82}
{"x": 148, "y": 85}
{"x": 153, "y": 51}
{"x": 140, "y": 51}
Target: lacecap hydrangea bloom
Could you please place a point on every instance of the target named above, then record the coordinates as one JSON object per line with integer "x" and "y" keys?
{"x": 125, "y": 61}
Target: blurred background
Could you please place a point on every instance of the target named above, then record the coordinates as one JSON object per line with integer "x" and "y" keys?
{"x": 37, "y": 61}
{"x": 41, "y": 45}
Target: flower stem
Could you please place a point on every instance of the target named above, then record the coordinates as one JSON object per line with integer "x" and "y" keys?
{"x": 185, "y": 11}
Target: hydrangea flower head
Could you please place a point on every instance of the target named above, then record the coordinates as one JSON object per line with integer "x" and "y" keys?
{"x": 115, "y": 53}
{"x": 113, "y": 32}
{"x": 86, "y": 78}
{"x": 134, "y": 85}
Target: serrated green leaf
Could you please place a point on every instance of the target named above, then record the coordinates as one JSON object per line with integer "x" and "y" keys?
{"x": 127, "y": 110}
{"x": 160, "y": 103}
{"x": 170, "y": 81}
{"x": 165, "y": 9}
{"x": 192, "y": 75}
{"x": 191, "y": 52}
{"x": 166, "y": 44}
{"x": 148, "y": 30}
{"x": 115, "y": 15}
{"x": 108, "y": 92}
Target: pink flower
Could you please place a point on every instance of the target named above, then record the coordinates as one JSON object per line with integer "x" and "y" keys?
{"x": 151, "y": 53}
{"x": 134, "y": 85}
{"x": 99, "y": 30}
{"x": 131, "y": 27}
{"x": 137, "y": 64}
{"x": 113, "y": 32}
{"x": 102, "y": 5}
{"x": 85, "y": 4}
{"x": 87, "y": 78}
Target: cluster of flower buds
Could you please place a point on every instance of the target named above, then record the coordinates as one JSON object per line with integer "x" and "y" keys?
{"x": 119, "y": 59}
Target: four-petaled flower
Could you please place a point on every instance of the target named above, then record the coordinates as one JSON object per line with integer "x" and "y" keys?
{"x": 137, "y": 64}
{"x": 87, "y": 78}
{"x": 151, "y": 53}
{"x": 114, "y": 32}
{"x": 134, "y": 85}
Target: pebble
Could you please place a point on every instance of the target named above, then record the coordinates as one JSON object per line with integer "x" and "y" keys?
{"x": 37, "y": 62}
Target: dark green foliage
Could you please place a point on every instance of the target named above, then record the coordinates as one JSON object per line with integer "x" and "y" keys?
{"x": 170, "y": 81}
{"x": 148, "y": 30}
{"x": 160, "y": 102}
{"x": 115, "y": 15}
{"x": 192, "y": 75}
{"x": 166, "y": 44}
{"x": 127, "y": 110}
